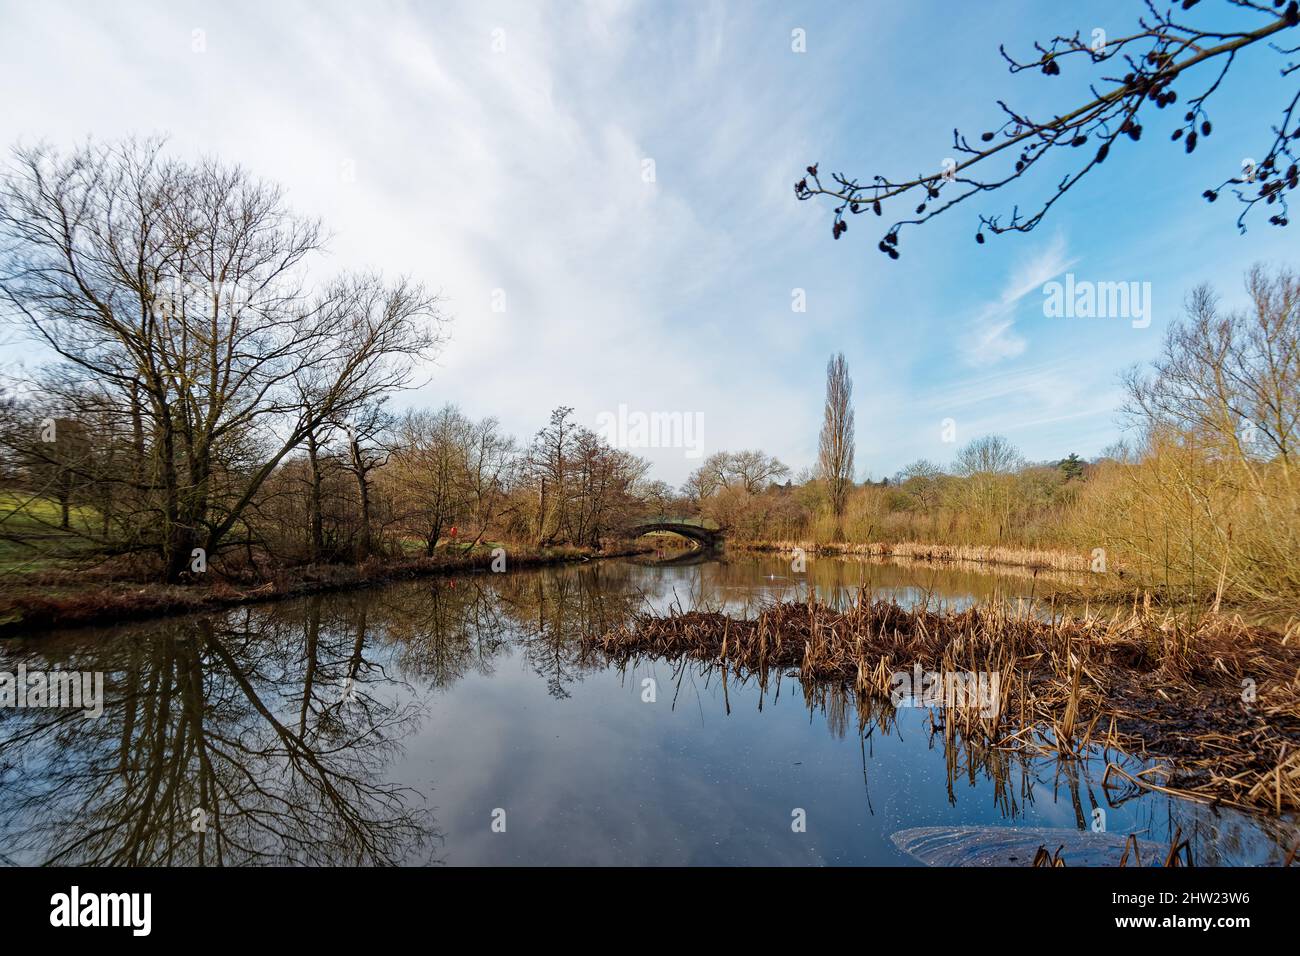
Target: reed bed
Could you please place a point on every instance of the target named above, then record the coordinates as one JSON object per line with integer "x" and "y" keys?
{"x": 920, "y": 551}
{"x": 1216, "y": 698}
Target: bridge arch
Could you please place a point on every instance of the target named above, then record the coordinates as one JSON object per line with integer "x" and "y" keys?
{"x": 705, "y": 534}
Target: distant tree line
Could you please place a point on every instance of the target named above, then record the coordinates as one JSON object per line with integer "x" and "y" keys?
{"x": 988, "y": 494}
{"x": 1202, "y": 493}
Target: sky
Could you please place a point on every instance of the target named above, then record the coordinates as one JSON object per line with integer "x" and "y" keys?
{"x": 602, "y": 192}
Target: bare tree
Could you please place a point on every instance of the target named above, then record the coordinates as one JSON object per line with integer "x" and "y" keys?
{"x": 753, "y": 470}
{"x": 1148, "y": 66}
{"x": 704, "y": 482}
{"x": 921, "y": 479}
{"x": 548, "y": 461}
{"x": 749, "y": 471}
{"x": 835, "y": 449}
{"x": 603, "y": 481}
{"x": 1232, "y": 380}
{"x": 990, "y": 455}
{"x": 178, "y": 289}
{"x": 316, "y": 480}
{"x": 988, "y": 464}
{"x": 430, "y": 470}
{"x": 369, "y": 432}
{"x": 490, "y": 466}
{"x": 658, "y": 496}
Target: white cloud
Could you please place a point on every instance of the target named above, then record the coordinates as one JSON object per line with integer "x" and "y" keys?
{"x": 521, "y": 171}
{"x": 993, "y": 337}
{"x": 476, "y": 170}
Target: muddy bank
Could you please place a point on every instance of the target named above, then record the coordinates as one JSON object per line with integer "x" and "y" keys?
{"x": 63, "y": 600}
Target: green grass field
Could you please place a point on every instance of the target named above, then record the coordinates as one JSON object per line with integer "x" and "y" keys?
{"x": 35, "y": 520}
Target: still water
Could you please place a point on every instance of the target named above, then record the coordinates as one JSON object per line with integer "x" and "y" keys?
{"x": 460, "y": 721}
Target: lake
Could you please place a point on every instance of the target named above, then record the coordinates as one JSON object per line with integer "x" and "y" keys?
{"x": 459, "y": 720}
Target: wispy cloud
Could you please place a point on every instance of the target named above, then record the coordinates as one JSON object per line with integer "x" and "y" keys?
{"x": 500, "y": 146}
{"x": 992, "y": 336}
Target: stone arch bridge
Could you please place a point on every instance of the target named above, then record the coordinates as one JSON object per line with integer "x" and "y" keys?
{"x": 705, "y": 533}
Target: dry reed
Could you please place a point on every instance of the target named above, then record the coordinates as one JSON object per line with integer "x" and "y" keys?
{"x": 921, "y": 551}
{"x": 1217, "y": 698}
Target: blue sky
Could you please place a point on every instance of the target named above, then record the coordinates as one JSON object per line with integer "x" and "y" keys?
{"x": 484, "y": 146}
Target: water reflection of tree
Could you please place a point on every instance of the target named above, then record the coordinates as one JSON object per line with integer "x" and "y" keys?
{"x": 275, "y": 724}
{"x": 446, "y": 629}
{"x": 239, "y": 741}
{"x": 557, "y": 611}
{"x": 837, "y": 580}
{"x": 279, "y": 723}
{"x": 745, "y": 583}
{"x": 443, "y": 630}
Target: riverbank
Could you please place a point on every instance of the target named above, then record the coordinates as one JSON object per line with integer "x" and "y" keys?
{"x": 920, "y": 551}
{"x": 1068, "y": 576}
{"x": 64, "y": 599}
{"x": 1216, "y": 701}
